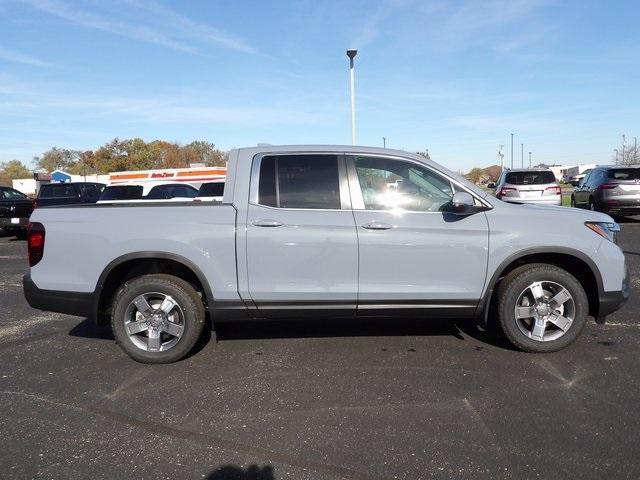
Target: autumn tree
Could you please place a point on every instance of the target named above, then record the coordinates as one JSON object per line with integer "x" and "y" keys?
{"x": 56, "y": 159}
{"x": 475, "y": 175}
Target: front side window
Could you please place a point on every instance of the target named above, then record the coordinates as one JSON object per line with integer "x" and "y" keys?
{"x": 11, "y": 194}
{"x": 388, "y": 184}
{"x": 299, "y": 181}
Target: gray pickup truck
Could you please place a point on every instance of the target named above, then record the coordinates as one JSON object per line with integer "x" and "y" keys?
{"x": 326, "y": 231}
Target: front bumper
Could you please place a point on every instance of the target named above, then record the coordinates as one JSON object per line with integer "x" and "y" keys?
{"x": 609, "y": 302}
{"x": 80, "y": 304}
{"x": 6, "y": 223}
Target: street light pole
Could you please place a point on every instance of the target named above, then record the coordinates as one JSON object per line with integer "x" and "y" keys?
{"x": 351, "y": 53}
{"x": 624, "y": 140}
{"x": 635, "y": 149}
{"x": 512, "y": 150}
{"x": 522, "y": 155}
{"x": 501, "y": 155}
{"x": 384, "y": 142}
{"x": 529, "y": 159}
{"x": 616, "y": 150}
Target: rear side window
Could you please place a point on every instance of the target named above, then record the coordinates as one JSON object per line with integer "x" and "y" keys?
{"x": 122, "y": 192}
{"x": 165, "y": 192}
{"x": 91, "y": 192}
{"x": 299, "y": 181}
{"x": 530, "y": 178}
{"x": 10, "y": 194}
{"x": 211, "y": 189}
{"x": 60, "y": 190}
{"x": 624, "y": 174}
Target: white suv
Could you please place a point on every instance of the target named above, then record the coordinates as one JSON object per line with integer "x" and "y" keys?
{"x": 527, "y": 185}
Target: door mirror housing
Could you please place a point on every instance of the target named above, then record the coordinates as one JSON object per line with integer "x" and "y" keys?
{"x": 463, "y": 203}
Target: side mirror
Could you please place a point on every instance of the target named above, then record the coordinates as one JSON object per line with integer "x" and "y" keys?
{"x": 491, "y": 185}
{"x": 463, "y": 203}
{"x": 575, "y": 183}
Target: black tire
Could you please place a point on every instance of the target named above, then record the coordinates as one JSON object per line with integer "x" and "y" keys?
{"x": 516, "y": 282}
{"x": 187, "y": 299}
{"x": 573, "y": 202}
{"x": 592, "y": 205}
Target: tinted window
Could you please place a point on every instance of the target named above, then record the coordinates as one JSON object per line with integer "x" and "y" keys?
{"x": 122, "y": 192}
{"x": 91, "y": 192}
{"x": 211, "y": 189}
{"x": 165, "y": 192}
{"x": 530, "y": 178}
{"x": 59, "y": 190}
{"x": 299, "y": 181}
{"x": 388, "y": 184}
{"x": 624, "y": 173}
{"x": 11, "y": 194}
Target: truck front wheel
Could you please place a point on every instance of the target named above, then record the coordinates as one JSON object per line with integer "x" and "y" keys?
{"x": 157, "y": 318}
{"x": 541, "y": 307}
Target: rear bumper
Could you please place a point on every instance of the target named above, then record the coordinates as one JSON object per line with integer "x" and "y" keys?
{"x": 80, "y": 304}
{"x": 534, "y": 201}
{"x": 7, "y": 224}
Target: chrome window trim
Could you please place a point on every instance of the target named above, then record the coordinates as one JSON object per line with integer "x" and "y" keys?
{"x": 345, "y": 198}
{"x": 357, "y": 199}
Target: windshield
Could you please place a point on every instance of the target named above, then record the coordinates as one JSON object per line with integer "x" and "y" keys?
{"x": 530, "y": 178}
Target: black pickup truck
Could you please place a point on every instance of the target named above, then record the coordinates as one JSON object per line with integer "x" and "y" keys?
{"x": 69, "y": 193}
{"x": 15, "y": 210}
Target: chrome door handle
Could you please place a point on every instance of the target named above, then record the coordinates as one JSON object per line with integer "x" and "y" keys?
{"x": 266, "y": 223}
{"x": 377, "y": 226}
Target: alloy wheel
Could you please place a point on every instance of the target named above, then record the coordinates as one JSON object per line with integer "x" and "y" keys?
{"x": 545, "y": 311}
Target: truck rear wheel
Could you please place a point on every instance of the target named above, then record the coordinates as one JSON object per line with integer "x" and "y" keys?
{"x": 157, "y": 318}
{"x": 541, "y": 308}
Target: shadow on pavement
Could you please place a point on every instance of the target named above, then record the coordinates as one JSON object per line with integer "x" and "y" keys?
{"x": 231, "y": 472}
{"x": 298, "y": 328}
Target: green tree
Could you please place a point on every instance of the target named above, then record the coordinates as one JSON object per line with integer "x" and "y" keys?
{"x": 57, "y": 159}
{"x": 11, "y": 170}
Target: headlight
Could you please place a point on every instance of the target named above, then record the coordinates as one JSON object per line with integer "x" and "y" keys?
{"x": 608, "y": 230}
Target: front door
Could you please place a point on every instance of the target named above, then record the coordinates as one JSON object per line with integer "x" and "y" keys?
{"x": 302, "y": 247}
{"x": 414, "y": 257}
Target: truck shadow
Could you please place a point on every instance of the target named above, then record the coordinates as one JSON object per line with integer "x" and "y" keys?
{"x": 232, "y": 472}
{"x": 305, "y": 328}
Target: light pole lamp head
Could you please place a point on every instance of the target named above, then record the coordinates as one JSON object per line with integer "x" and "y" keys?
{"x": 351, "y": 53}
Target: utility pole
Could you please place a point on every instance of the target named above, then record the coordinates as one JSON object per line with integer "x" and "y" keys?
{"x": 351, "y": 53}
{"x": 529, "y": 159}
{"x": 501, "y": 157}
{"x": 616, "y": 150}
{"x": 624, "y": 140}
{"x": 522, "y": 155}
{"x": 384, "y": 142}
{"x": 511, "y": 150}
{"x": 635, "y": 149}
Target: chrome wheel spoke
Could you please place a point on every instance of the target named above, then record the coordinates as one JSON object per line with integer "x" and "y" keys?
{"x": 524, "y": 312}
{"x": 537, "y": 291}
{"x": 563, "y": 323}
{"x": 173, "y": 329}
{"x": 137, "y": 327}
{"x": 153, "y": 341}
{"x": 168, "y": 304}
{"x": 142, "y": 305}
{"x": 539, "y": 327}
{"x": 560, "y": 298}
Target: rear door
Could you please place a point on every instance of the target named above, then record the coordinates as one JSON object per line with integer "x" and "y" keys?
{"x": 414, "y": 257}
{"x": 302, "y": 247}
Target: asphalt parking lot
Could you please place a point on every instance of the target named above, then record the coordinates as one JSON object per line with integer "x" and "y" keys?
{"x": 322, "y": 400}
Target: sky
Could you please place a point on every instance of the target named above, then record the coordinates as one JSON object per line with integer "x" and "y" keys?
{"x": 455, "y": 77}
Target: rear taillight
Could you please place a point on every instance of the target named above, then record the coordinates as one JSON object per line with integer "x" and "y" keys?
{"x": 555, "y": 190}
{"x": 35, "y": 242}
{"x": 503, "y": 191}
{"x": 608, "y": 186}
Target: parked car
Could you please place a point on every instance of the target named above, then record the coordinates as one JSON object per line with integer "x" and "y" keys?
{"x": 210, "y": 192}
{"x": 529, "y": 185}
{"x": 52, "y": 194}
{"x": 611, "y": 189}
{"x": 316, "y": 231}
{"x": 149, "y": 191}
{"x": 15, "y": 210}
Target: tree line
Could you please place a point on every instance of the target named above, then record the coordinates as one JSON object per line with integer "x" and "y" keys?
{"x": 118, "y": 155}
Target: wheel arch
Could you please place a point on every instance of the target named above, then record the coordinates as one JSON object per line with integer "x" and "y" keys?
{"x": 573, "y": 261}
{"x": 135, "y": 264}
